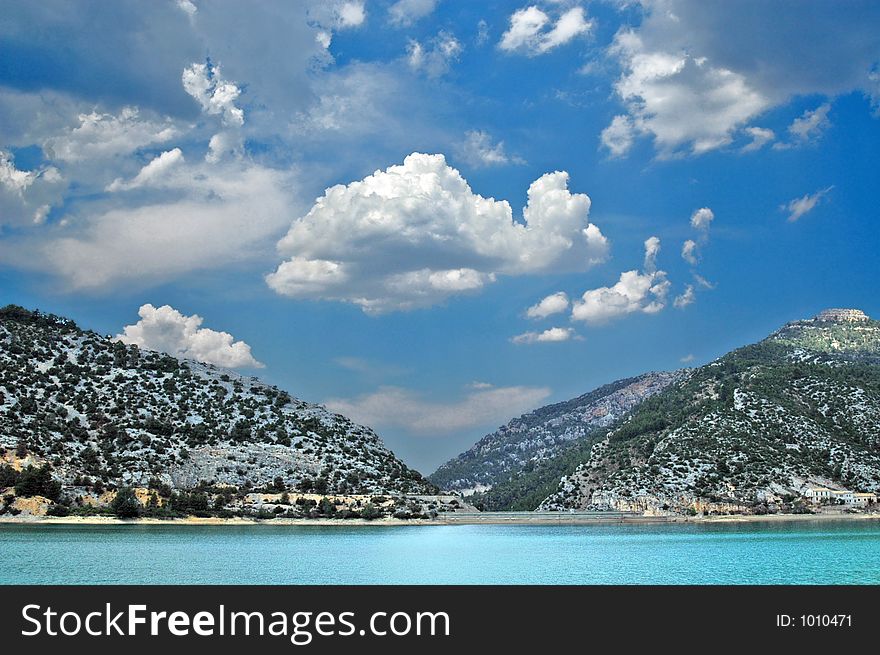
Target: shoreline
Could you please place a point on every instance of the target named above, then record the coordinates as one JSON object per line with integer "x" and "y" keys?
{"x": 495, "y": 518}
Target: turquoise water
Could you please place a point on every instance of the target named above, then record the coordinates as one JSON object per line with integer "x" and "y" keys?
{"x": 778, "y": 553}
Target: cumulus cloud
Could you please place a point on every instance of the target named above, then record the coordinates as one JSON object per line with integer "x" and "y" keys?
{"x": 694, "y": 74}
{"x": 479, "y": 150}
{"x": 533, "y": 32}
{"x": 702, "y": 219}
{"x": 800, "y": 206}
{"x": 553, "y": 304}
{"x": 415, "y": 234}
{"x": 102, "y": 136}
{"x": 761, "y": 136}
{"x": 216, "y": 96}
{"x": 395, "y": 407}
{"x": 404, "y": 13}
{"x": 435, "y": 57}
{"x": 151, "y": 173}
{"x": 686, "y": 298}
{"x": 678, "y": 99}
{"x": 167, "y": 330}
{"x": 643, "y": 292}
{"x": 551, "y": 335}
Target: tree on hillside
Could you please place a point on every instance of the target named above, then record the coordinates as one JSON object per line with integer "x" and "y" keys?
{"x": 125, "y": 505}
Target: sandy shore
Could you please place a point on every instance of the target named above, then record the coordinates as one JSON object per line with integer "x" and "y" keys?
{"x": 494, "y": 518}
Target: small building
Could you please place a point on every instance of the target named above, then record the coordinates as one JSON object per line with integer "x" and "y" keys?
{"x": 864, "y": 499}
{"x": 819, "y": 494}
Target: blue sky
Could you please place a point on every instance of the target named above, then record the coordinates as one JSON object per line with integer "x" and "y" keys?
{"x": 163, "y": 169}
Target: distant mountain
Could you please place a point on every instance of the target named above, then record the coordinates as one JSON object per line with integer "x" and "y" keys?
{"x": 516, "y": 462}
{"x": 98, "y": 409}
{"x": 750, "y": 431}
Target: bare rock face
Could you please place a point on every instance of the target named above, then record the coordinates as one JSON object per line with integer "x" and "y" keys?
{"x": 100, "y": 410}
{"x": 842, "y": 315}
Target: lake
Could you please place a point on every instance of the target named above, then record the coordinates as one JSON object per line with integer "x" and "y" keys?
{"x": 839, "y": 552}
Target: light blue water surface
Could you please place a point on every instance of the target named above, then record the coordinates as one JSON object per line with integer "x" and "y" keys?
{"x": 846, "y": 552}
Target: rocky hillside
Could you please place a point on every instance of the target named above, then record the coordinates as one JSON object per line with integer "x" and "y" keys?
{"x": 525, "y": 444}
{"x": 750, "y": 431}
{"x": 99, "y": 410}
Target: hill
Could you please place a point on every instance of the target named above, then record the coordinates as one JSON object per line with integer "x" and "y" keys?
{"x": 751, "y": 431}
{"x": 103, "y": 413}
{"x": 511, "y": 467}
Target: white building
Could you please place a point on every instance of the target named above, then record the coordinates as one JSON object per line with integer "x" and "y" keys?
{"x": 821, "y": 495}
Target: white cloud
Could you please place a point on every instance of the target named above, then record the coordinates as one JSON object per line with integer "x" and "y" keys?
{"x": 634, "y": 292}
{"x": 223, "y": 145}
{"x": 695, "y": 73}
{"x": 652, "y": 249}
{"x": 532, "y": 31}
{"x": 551, "y": 335}
{"x": 18, "y": 181}
{"x": 191, "y": 218}
{"x": 761, "y": 136}
{"x": 187, "y": 7}
{"x": 678, "y": 99}
{"x": 811, "y": 124}
{"x": 41, "y": 214}
{"x": 687, "y": 358}
{"x": 702, "y": 219}
{"x": 415, "y": 234}
{"x": 800, "y": 206}
{"x": 435, "y": 57}
{"x": 686, "y": 298}
{"x": 351, "y": 14}
{"x": 26, "y": 197}
{"x": 395, "y": 407}
{"x": 216, "y": 96}
{"x": 479, "y": 150}
{"x": 689, "y": 252}
{"x": 404, "y": 13}
{"x": 618, "y": 137}
{"x": 151, "y": 173}
{"x": 703, "y": 282}
{"x": 100, "y": 136}
{"x": 332, "y": 16}
{"x": 553, "y": 304}
{"x": 167, "y": 330}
